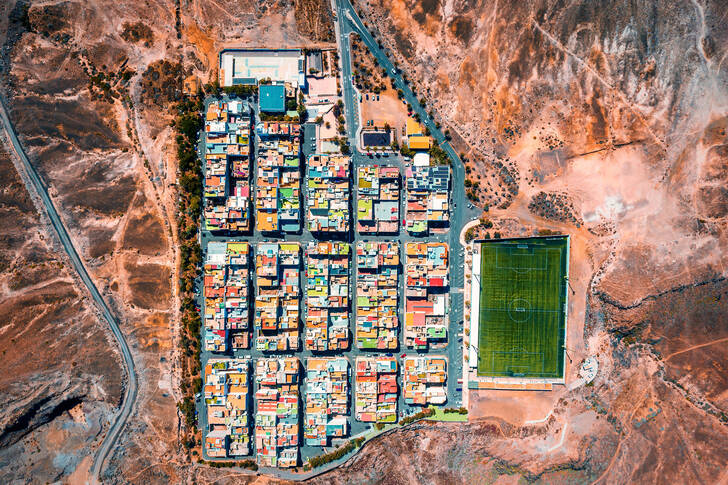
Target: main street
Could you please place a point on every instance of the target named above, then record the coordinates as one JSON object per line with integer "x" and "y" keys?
{"x": 461, "y": 212}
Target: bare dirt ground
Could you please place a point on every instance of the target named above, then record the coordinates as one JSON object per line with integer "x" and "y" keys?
{"x": 609, "y": 124}
{"x": 380, "y": 103}
{"x": 61, "y": 379}
{"x": 383, "y": 109}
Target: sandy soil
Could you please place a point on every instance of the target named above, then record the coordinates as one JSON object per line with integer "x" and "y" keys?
{"x": 61, "y": 379}
{"x": 566, "y": 131}
{"x": 388, "y": 110}
{"x": 515, "y": 407}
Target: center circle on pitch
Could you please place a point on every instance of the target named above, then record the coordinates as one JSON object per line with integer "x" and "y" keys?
{"x": 519, "y": 310}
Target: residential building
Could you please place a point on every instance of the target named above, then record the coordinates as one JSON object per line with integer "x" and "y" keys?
{"x": 377, "y": 271}
{"x": 277, "y": 269}
{"x": 425, "y": 380}
{"x": 376, "y": 389}
{"x": 327, "y": 296}
{"x": 378, "y": 199}
{"x": 327, "y": 400}
{"x": 278, "y": 178}
{"x": 226, "y": 186}
{"x": 413, "y": 128}
{"x": 419, "y": 142}
{"x": 226, "y": 292}
{"x": 328, "y": 193}
{"x": 277, "y": 414}
{"x": 426, "y": 294}
{"x": 427, "y": 204}
{"x": 227, "y": 404}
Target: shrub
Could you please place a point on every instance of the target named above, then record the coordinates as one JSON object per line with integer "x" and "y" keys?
{"x": 425, "y": 413}
{"x": 339, "y": 452}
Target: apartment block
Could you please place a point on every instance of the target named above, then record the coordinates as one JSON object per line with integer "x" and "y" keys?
{"x": 226, "y": 292}
{"x": 278, "y": 177}
{"x": 328, "y": 193}
{"x": 227, "y": 402}
{"x": 227, "y": 167}
{"x": 377, "y": 205}
{"x": 277, "y": 301}
{"x": 427, "y": 204}
{"x": 277, "y": 414}
{"x": 327, "y": 400}
{"x": 377, "y": 271}
{"x": 424, "y": 380}
{"x": 426, "y": 294}
{"x": 327, "y": 296}
{"x": 376, "y": 389}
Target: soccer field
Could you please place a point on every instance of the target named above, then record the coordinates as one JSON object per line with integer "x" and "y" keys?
{"x": 522, "y": 323}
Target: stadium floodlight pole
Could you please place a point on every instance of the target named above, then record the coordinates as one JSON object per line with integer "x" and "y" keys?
{"x": 567, "y": 353}
{"x": 568, "y": 282}
{"x": 477, "y": 354}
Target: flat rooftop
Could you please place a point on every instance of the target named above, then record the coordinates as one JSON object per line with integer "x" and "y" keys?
{"x": 243, "y": 66}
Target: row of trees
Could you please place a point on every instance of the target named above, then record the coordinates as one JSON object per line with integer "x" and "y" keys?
{"x": 187, "y": 124}
{"x": 320, "y": 460}
{"x": 249, "y": 464}
{"x": 425, "y": 413}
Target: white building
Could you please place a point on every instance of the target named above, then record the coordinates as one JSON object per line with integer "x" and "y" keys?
{"x": 241, "y": 66}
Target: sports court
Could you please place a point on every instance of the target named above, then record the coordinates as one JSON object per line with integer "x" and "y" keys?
{"x": 522, "y": 307}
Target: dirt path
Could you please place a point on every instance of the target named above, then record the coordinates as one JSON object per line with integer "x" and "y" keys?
{"x": 606, "y": 82}
{"x": 622, "y": 440}
{"x": 695, "y": 347}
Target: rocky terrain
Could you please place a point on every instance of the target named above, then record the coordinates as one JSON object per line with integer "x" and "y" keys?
{"x": 61, "y": 378}
{"x": 606, "y": 121}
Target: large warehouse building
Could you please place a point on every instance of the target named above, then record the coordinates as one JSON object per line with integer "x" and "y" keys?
{"x": 249, "y": 66}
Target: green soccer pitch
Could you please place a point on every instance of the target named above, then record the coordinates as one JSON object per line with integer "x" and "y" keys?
{"x": 522, "y": 326}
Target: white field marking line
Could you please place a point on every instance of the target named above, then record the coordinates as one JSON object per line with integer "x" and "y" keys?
{"x": 532, "y": 311}
{"x": 522, "y": 270}
{"x": 561, "y": 441}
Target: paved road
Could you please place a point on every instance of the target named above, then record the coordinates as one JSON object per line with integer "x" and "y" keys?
{"x": 37, "y": 185}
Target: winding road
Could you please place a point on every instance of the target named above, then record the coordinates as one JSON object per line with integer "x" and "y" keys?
{"x": 35, "y": 184}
